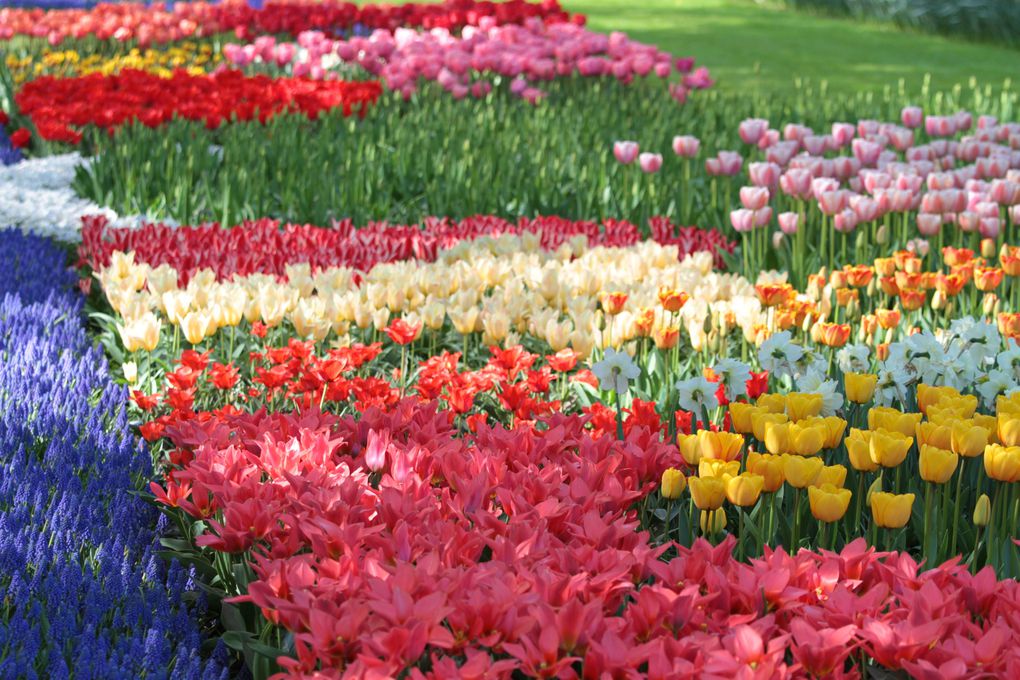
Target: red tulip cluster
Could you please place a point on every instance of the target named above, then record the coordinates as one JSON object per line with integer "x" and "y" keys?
{"x": 389, "y": 543}
{"x": 265, "y": 246}
{"x": 156, "y": 24}
{"x": 60, "y": 107}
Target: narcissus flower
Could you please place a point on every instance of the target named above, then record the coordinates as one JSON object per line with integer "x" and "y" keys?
{"x": 860, "y": 387}
{"x": 744, "y": 489}
{"x": 890, "y": 510}
{"x": 888, "y": 448}
{"x": 828, "y": 502}
{"x": 615, "y": 371}
{"x": 708, "y": 493}
{"x": 937, "y": 465}
{"x": 673, "y": 483}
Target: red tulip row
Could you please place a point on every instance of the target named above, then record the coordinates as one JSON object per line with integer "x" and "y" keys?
{"x": 156, "y": 24}
{"x": 266, "y": 246}
{"x": 60, "y": 107}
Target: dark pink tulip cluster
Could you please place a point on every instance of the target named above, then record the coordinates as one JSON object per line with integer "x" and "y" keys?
{"x": 857, "y": 174}
{"x": 525, "y": 54}
{"x": 519, "y": 552}
{"x": 267, "y": 246}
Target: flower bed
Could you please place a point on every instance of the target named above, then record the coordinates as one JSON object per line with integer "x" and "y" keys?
{"x": 58, "y": 109}
{"x": 85, "y": 592}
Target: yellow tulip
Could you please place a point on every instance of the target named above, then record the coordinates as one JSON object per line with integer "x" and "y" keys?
{"x": 884, "y": 418}
{"x": 800, "y": 405}
{"x": 744, "y": 489}
{"x": 141, "y": 333}
{"x": 989, "y": 423}
{"x": 1010, "y": 404}
{"x": 858, "y": 448}
{"x": 740, "y": 416}
{"x": 673, "y": 483}
{"x": 937, "y": 465}
{"x": 1008, "y": 429}
{"x": 689, "y": 449}
{"x": 712, "y": 522}
{"x": 708, "y": 493}
{"x": 772, "y": 403}
{"x": 760, "y": 419}
{"x": 801, "y": 472}
{"x": 860, "y": 387}
{"x": 928, "y": 395}
{"x": 1002, "y": 463}
{"x": 934, "y": 434}
{"x": 835, "y": 427}
{"x": 832, "y": 474}
{"x": 982, "y": 511}
{"x": 964, "y": 404}
{"x": 968, "y": 439}
{"x": 828, "y": 503}
{"x": 777, "y": 437}
{"x": 770, "y": 467}
{"x": 718, "y": 468}
{"x": 195, "y": 326}
{"x": 941, "y": 414}
{"x": 720, "y": 445}
{"x": 806, "y": 439}
{"x": 891, "y": 510}
{"x": 889, "y": 448}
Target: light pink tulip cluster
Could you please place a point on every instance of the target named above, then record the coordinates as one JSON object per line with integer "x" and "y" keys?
{"x": 857, "y": 174}
{"x": 525, "y": 55}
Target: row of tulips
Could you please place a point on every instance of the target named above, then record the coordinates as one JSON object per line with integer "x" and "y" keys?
{"x": 194, "y": 57}
{"x": 59, "y": 107}
{"x": 147, "y": 24}
{"x": 524, "y": 55}
{"x": 85, "y": 592}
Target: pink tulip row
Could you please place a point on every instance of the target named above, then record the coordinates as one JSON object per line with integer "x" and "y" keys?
{"x": 466, "y": 64}
{"x": 860, "y": 173}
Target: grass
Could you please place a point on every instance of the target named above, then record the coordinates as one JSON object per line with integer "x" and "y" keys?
{"x": 748, "y": 45}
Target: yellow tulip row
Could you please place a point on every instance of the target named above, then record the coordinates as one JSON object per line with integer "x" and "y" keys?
{"x": 194, "y": 58}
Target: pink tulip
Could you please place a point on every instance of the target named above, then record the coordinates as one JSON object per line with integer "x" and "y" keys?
{"x": 727, "y": 163}
{"x": 866, "y": 152}
{"x": 678, "y": 92}
{"x": 990, "y": 227}
{"x": 796, "y": 183}
{"x": 901, "y": 139}
{"x": 821, "y": 185}
{"x": 929, "y": 224}
{"x": 912, "y": 116}
{"x": 919, "y": 246}
{"x": 987, "y": 122}
{"x": 754, "y": 198}
{"x": 650, "y": 162}
{"x": 910, "y": 183}
{"x": 968, "y": 221}
{"x": 987, "y": 209}
{"x": 962, "y": 121}
{"x": 845, "y": 167}
{"x": 625, "y": 152}
{"x": 1014, "y": 214}
{"x": 686, "y": 146}
{"x": 814, "y": 144}
{"x": 796, "y": 132}
{"x": 764, "y": 174}
{"x": 762, "y": 217}
{"x": 865, "y": 208}
{"x": 752, "y": 129}
{"x": 769, "y": 139}
{"x": 788, "y": 222}
{"x": 832, "y": 202}
{"x": 842, "y": 133}
{"x": 939, "y": 126}
{"x": 845, "y": 221}
{"x": 742, "y": 220}
{"x": 375, "y": 449}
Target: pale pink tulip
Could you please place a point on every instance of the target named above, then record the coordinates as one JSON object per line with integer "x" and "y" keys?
{"x": 796, "y": 183}
{"x": 777, "y": 240}
{"x": 742, "y": 220}
{"x": 866, "y": 152}
{"x": 842, "y": 133}
{"x": 919, "y": 246}
{"x": 912, "y": 116}
{"x": 939, "y": 126}
{"x": 650, "y": 162}
{"x": 788, "y": 222}
{"x": 686, "y": 146}
{"x": 625, "y": 152}
{"x": 764, "y": 174}
{"x": 754, "y": 198}
{"x": 990, "y": 227}
{"x": 929, "y": 224}
{"x": 752, "y": 129}
{"x": 845, "y": 221}
{"x": 762, "y": 217}
{"x": 968, "y": 221}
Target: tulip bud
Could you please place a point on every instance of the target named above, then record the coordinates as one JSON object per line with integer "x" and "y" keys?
{"x": 673, "y": 483}
{"x": 988, "y": 248}
{"x": 990, "y": 304}
{"x": 130, "y": 369}
{"x": 876, "y": 486}
{"x": 712, "y": 521}
{"x": 882, "y": 235}
{"x": 982, "y": 511}
{"x": 938, "y": 301}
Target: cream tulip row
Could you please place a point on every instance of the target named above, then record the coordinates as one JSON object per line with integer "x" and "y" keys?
{"x": 501, "y": 287}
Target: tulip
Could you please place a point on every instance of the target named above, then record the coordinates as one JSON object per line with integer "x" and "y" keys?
{"x": 744, "y": 489}
{"x": 650, "y": 162}
{"x": 788, "y": 222}
{"x": 1008, "y": 429}
{"x": 968, "y": 439}
{"x": 689, "y": 449}
{"x": 884, "y": 418}
{"x": 718, "y": 468}
{"x": 934, "y": 434}
{"x": 828, "y": 502}
{"x": 832, "y": 474}
{"x": 141, "y": 333}
{"x": 740, "y": 416}
{"x": 982, "y": 511}
{"x": 130, "y": 370}
{"x": 673, "y": 483}
{"x": 937, "y": 465}
{"x": 686, "y": 146}
{"x": 800, "y": 471}
{"x": 712, "y": 522}
{"x": 858, "y": 448}
{"x": 912, "y": 116}
{"x": 889, "y": 448}
{"x": 834, "y": 428}
{"x": 751, "y": 130}
{"x": 860, "y": 387}
{"x": 891, "y": 511}
{"x": 708, "y": 493}
{"x": 1002, "y": 463}
{"x": 806, "y": 439}
{"x": 772, "y": 403}
{"x": 801, "y": 405}
{"x": 770, "y": 468}
{"x": 723, "y": 446}
{"x": 625, "y": 152}
{"x": 761, "y": 420}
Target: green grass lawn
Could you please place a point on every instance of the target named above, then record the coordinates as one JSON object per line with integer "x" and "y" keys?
{"x": 749, "y": 45}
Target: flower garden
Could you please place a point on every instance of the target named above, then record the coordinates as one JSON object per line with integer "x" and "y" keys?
{"x": 462, "y": 340}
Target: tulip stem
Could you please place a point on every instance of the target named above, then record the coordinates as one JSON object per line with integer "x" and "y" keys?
{"x": 926, "y": 550}
{"x": 795, "y": 539}
{"x": 956, "y": 506}
{"x": 741, "y": 537}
